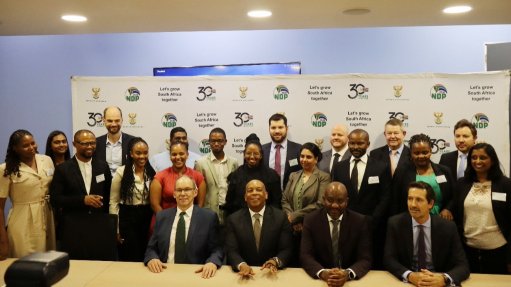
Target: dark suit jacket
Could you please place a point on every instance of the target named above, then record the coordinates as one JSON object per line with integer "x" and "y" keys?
{"x": 324, "y": 164}
{"x": 82, "y": 227}
{"x": 101, "y": 147}
{"x": 312, "y": 195}
{"x": 275, "y": 241}
{"x": 293, "y": 152}
{"x": 447, "y": 252}
{"x": 372, "y": 198}
{"x": 501, "y": 209}
{"x": 382, "y": 154}
{"x": 450, "y": 160}
{"x": 354, "y": 243}
{"x": 202, "y": 244}
{"x": 68, "y": 190}
{"x": 399, "y": 201}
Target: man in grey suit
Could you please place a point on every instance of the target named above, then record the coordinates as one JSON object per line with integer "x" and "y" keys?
{"x": 215, "y": 167}
{"x": 421, "y": 249}
{"x": 112, "y": 147}
{"x": 185, "y": 234}
{"x": 281, "y": 154}
{"x": 339, "y": 150}
{"x": 258, "y": 235}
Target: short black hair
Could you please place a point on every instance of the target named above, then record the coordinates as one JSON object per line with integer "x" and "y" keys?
{"x": 177, "y": 130}
{"x": 313, "y": 148}
{"x": 430, "y": 193}
{"x": 277, "y": 117}
{"x": 218, "y": 131}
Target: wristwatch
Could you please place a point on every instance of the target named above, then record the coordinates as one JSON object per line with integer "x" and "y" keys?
{"x": 277, "y": 260}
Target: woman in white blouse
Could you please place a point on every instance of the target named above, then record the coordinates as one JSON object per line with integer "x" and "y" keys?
{"x": 484, "y": 212}
{"x": 129, "y": 198}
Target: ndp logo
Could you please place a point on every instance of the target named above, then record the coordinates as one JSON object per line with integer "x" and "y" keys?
{"x": 281, "y": 92}
{"x": 480, "y": 121}
{"x": 204, "y": 147}
{"x": 318, "y": 120}
{"x": 438, "y": 92}
{"x": 169, "y": 120}
{"x": 132, "y": 94}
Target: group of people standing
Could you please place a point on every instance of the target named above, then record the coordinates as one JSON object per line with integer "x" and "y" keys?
{"x": 297, "y": 184}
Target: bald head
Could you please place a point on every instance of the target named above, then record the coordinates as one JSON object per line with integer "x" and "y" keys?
{"x": 335, "y": 199}
{"x": 112, "y": 119}
{"x": 339, "y": 137}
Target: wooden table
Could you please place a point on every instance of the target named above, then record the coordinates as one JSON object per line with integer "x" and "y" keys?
{"x": 112, "y": 274}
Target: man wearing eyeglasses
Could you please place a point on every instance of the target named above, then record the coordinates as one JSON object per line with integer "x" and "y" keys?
{"x": 186, "y": 234}
{"x": 81, "y": 189}
{"x": 215, "y": 167}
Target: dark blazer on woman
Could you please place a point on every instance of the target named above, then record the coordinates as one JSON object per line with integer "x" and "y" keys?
{"x": 313, "y": 191}
{"x": 501, "y": 209}
{"x": 399, "y": 201}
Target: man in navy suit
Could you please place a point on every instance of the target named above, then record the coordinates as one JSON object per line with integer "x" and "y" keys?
{"x": 112, "y": 147}
{"x": 280, "y": 145}
{"x": 81, "y": 190}
{"x": 465, "y": 136}
{"x": 258, "y": 235}
{"x": 422, "y": 249}
{"x": 336, "y": 241}
{"x": 185, "y": 234}
{"x": 339, "y": 150}
{"x": 368, "y": 184}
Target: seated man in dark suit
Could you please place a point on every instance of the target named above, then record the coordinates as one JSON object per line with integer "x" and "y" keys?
{"x": 185, "y": 234}
{"x": 422, "y": 249}
{"x": 258, "y": 235}
{"x": 335, "y": 237}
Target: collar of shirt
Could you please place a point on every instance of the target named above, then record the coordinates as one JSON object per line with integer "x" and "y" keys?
{"x": 261, "y": 212}
{"x": 363, "y": 159}
{"x": 341, "y": 152}
{"x": 212, "y": 158}
{"x": 425, "y": 224}
{"x": 462, "y": 154}
{"x": 108, "y": 142}
{"x": 330, "y": 218}
{"x": 283, "y": 144}
{"x": 399, "y": 150}
{"x": 83, "y": 163}
{"x": 188, "y": 211}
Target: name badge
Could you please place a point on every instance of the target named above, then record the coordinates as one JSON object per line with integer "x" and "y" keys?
{"x": 100, "y": 178}
{"x": 500, "y": 196}
{"x": 293, "y": 162}
{"x": 373, "y": 180}
{"x": 441, "y": 178}
{"x": 49, "y": 172}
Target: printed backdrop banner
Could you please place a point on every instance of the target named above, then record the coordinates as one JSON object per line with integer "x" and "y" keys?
{"x": 427, "y": 103}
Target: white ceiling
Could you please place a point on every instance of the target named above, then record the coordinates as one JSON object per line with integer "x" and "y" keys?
{"x": 42, "y": 17}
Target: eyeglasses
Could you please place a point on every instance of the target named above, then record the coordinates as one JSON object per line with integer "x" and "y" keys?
{"x": 184, "y": 190}
{"x": 86, "y": 144}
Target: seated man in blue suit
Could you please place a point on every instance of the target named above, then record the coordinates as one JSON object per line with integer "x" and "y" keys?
{"x": 258, "y": 235}
{"x": 422, "y": 249}
{"x": 185, "y": 234}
